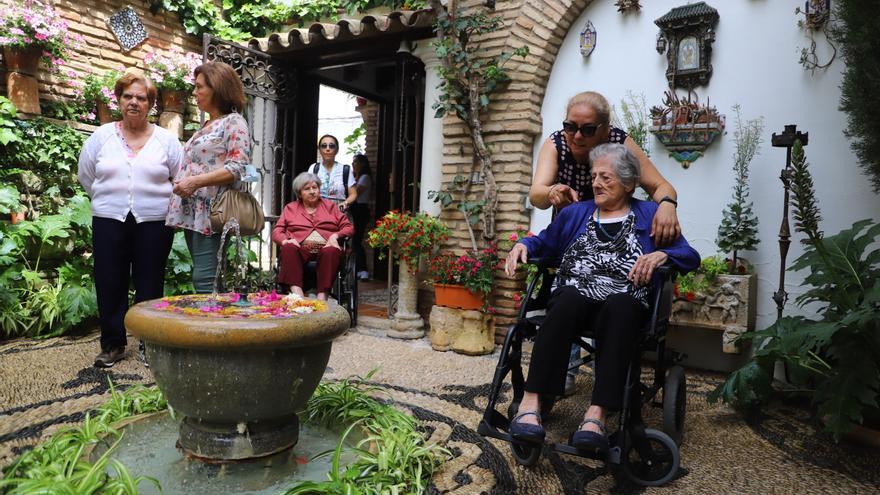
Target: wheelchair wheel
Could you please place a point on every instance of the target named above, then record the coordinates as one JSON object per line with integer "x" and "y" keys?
{"x": 658, "y": 467}
{"x": 675, "y": 403}
{"x": 526, "y": 454}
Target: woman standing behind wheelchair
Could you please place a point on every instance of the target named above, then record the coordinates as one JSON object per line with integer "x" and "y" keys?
{"x": 310, "y": 228}
{"x": 337, "y": 180}
{"x": 608, "y": 260}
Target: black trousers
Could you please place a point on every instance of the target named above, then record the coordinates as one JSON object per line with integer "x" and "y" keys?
{"x": 617, "y": 322}
{"x": 123, "y": 252}
{"x": 360, "y": 213}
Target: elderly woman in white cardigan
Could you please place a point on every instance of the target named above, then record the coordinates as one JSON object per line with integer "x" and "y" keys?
{"x": 127, "y": 169}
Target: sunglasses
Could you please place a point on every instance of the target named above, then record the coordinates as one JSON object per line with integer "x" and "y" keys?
{"x": 587, "y": 130}
{"x": 327, "y": 146}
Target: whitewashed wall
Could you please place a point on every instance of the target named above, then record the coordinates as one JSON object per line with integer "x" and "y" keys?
{"x": 755, "y": 60}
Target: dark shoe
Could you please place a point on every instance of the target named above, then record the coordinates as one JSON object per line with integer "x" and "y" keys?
{"x": 142, "y": 354}
{"x": 526, "y": 432}
{"x": 108, "y": 358}
{"x": 590, "y": 440}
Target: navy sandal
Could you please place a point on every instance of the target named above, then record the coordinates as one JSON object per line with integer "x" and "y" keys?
{"x": 526, "y": 432}
{"x": 590, "y": 440}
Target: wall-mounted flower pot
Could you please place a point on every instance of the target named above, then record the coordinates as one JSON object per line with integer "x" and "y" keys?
{"x": 686, "y": 142}
{"x": 104, "y": 114}
{"x": 456, "y": 296}
{"x": 22, "y": 66}
{"x": 173, "y": 100}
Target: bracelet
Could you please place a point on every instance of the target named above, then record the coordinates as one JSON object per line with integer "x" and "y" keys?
{"x": 668, "y": 200}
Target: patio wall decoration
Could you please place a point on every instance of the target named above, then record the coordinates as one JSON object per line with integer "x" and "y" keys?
{"x": 685, "y": 126}
{"x": 128, "y": 28}
{"x": 628, "y": 6}
{"x": 688, "y": 32}
{"x": 588, "y": 39}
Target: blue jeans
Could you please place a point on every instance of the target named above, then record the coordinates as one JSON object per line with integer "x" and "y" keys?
{"x": 203, "y": 249}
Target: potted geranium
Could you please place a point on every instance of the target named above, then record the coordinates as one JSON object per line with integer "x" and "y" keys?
{"x": 98, "y": 98}
{"x": 172, "y": 74}
{"x": 32, "y": 31}
{"x": 465, "y": 280}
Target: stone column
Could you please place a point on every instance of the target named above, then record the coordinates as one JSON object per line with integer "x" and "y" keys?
{"x": 432, "y": 131}
{"x": 407, "y": 323}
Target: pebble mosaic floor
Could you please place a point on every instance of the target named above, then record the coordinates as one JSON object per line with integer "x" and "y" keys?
{"x": 48, "y": 384}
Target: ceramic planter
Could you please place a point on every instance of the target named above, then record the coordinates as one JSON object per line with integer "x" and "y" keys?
{"x": 729, "y": 305}
{"x": 104, "y": 114}
{"x": 456, "y": 296}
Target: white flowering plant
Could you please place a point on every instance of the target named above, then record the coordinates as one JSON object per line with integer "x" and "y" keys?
{"x": 173, "y": 71}
{"x": 36, "y": 23}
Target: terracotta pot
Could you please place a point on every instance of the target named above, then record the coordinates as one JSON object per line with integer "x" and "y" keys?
{"x": 104, "y": 113}
{"x": 173, "y": 100}
{"x": 24, "y": 61}
{"x": 456, "y": 296}
{"x": 16, "y": 217}
{"x": 21, "y": 78}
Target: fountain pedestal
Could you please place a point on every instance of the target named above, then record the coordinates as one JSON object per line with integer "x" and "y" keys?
{"x": 238, "y": 382}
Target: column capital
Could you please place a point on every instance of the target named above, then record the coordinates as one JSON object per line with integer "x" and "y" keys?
{"x": 425, "y": 52}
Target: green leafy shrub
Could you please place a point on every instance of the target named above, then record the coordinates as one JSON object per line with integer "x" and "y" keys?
{"x": 835, "y": 358}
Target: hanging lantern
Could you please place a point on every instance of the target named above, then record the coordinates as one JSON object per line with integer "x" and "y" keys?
{"x": 661, "y": 43}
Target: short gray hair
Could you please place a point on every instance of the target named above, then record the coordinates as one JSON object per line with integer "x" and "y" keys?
{"x": 625, "y": 163}
{"x": 302, "y": 180}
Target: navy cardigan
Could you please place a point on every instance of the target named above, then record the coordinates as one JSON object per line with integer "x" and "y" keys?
{"x": 571, "y": 223}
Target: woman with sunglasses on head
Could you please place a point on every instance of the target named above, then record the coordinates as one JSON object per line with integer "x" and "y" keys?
{"x": 337, "y": 180}
{"x": 563, "y": 173}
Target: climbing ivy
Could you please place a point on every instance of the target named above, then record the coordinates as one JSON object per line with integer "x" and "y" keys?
{"x": 239, "y": 20}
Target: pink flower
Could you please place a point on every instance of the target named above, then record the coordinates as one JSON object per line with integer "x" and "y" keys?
{"x": 513, "y": 237}
{"x": 161, "y": 304}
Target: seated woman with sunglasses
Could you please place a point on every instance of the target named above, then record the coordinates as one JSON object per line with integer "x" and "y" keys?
{"x": 563, "y": 173}
{"x": 338, "y": 183}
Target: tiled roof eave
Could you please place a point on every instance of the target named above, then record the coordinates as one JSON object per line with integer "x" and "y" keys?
{"x": 321, "y": 34}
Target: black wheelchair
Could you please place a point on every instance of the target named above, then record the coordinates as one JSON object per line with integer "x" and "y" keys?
{"x": 345, "y": 286}
{"x": 646, "y": 456}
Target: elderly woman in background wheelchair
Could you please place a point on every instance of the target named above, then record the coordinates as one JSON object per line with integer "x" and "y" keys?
{"x": 310, "y": 228}
{"x": 603, "y": 280}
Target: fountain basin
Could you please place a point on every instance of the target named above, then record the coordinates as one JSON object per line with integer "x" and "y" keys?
{"x": 238, "y": 382}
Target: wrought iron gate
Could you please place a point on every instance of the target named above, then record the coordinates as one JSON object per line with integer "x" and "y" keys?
{"x": 271, "y": 93}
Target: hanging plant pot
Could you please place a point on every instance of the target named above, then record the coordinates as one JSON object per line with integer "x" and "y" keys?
{"x": 22, "y": 66}
{"x": 17, "y": 217}
{"x": 105, "y": 115}
{"x": 174, "y": 100}
{"x": 456, "y": 296}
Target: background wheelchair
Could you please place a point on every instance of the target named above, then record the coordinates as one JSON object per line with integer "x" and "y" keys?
{"x": 345, "y": 286}
{"x": 646, "y": 456}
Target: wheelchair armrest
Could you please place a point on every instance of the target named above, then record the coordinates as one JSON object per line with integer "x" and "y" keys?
{"x": 543, "y": 263}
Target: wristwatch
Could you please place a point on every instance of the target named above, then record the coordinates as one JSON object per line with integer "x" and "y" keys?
{"x": 668, "y": 199}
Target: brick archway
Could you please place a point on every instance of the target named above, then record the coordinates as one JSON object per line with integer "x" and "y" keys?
{"x": 512, "y": 124}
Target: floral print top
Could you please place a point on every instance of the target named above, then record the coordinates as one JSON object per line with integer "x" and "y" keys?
{"x": 224, "y": 142}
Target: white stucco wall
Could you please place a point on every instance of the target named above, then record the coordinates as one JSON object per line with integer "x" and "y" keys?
{"x": 755, "y": 60}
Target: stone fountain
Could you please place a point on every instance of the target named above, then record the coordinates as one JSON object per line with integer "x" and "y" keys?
{"x": 237, "y": 382}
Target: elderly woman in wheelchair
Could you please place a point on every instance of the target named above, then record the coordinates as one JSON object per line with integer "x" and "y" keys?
{"x": 310, "y": 228}
{"x": 608, "y": 264}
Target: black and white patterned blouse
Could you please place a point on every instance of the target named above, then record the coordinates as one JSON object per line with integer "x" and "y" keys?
{"x": 598, "y": 268}
{"x": 569, "y": 171}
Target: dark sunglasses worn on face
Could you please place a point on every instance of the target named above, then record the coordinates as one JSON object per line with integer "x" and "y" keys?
{"x": 587, "y": 130}
{"x": 329, "y": 146}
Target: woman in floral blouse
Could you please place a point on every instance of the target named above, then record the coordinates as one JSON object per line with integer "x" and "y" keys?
{"x": 214, "y": 159}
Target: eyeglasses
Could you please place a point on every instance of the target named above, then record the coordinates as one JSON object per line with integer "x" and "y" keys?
{"x": 587, "y": 130}
{"x": 327, "y": 146}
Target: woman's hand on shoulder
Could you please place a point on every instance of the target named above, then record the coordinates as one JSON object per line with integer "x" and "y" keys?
{"x": 518, "y": 253}
{"x": 643, "y": 269}
{"x": 665, "y": 228}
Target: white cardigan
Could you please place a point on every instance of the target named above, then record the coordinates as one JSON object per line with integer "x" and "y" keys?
{"x": 118, "y": 184}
